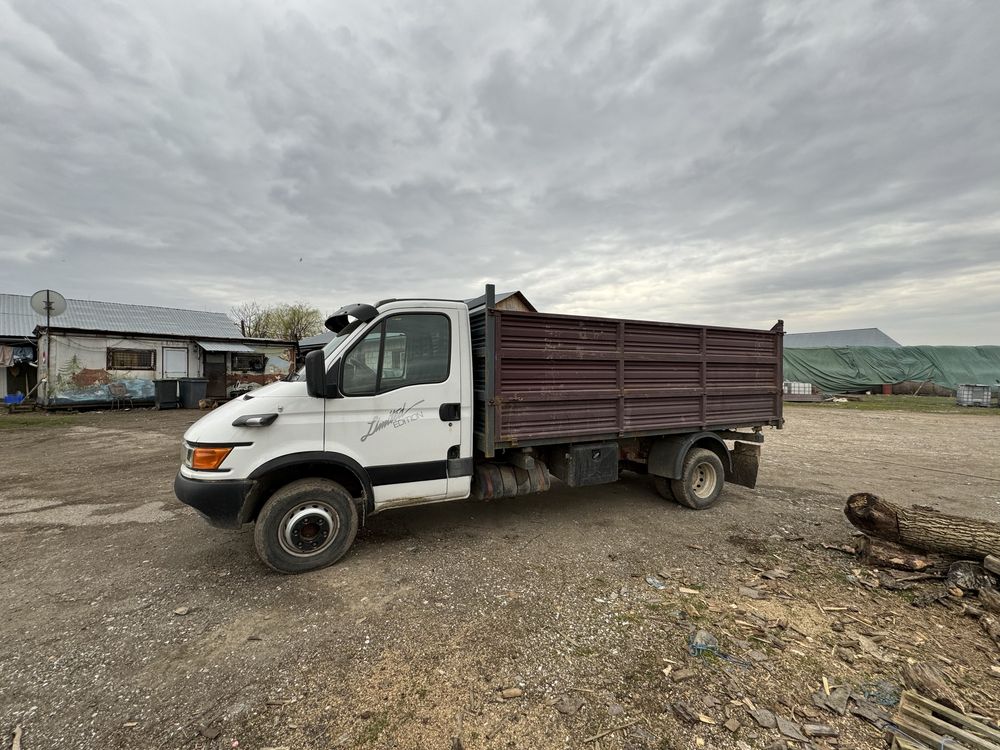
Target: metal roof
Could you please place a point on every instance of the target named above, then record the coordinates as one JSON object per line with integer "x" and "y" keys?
{"x": 225, "y": 346}
{"x": 17, "y": 319}
{"x": 849, "y": 337}
{"x": 318, "y": 341}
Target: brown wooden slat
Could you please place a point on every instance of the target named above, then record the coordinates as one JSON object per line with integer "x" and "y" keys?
{"x": 629, "y": 393}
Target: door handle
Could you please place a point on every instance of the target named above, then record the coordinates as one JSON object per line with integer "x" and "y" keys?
{"x": 450, "y": 412}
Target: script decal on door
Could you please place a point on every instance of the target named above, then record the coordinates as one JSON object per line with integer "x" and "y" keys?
{"x": 397, "y": 417}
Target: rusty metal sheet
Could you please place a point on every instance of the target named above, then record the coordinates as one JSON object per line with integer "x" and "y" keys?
{"x": 569, "y": 377}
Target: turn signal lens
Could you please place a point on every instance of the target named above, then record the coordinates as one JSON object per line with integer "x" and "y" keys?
{"x": 209, "y": 459}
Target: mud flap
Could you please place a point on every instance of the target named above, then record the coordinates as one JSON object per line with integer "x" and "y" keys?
{"x": 746, "y": 462}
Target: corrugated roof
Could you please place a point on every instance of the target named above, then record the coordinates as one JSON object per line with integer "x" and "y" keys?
{"x": 224, "y": 346}
{"x": 318, "y": 341}
{"x": 17, "y": 319}
{"x": 848, "y": 337}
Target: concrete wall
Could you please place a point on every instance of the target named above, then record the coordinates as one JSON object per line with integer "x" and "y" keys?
{"x": 79, "y": 367}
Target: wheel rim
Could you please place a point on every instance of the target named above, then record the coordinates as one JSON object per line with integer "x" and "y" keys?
{"x": 308, "y": 529}
{"x": 704, "y": 479}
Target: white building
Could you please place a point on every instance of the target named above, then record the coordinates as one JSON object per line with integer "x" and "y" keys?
{"x": 95, "y": 344}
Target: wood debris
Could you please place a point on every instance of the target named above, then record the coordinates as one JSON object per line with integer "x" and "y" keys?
{"x": 820, "y": 730}
{"x": 922, "y": 723}
{"x": 992, "y": 564}
{"x": 606, "y": 732}
{"x": 930, "y": 680}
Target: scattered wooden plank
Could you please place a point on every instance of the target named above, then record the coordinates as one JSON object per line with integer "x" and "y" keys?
{"x": 922, "y": 720}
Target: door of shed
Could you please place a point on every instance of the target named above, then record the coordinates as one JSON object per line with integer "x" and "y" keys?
{"x": 215, "y": 371}
{"x": 175, "y": 363}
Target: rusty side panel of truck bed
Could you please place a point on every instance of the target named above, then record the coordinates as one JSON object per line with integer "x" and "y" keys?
{"x": 543, "y": 378}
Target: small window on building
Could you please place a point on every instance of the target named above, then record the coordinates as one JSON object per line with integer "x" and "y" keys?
{"x": 248, "y": 363}
{"x": 131, "y": 359}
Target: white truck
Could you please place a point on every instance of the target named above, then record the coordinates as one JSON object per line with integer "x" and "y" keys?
{"x": 423, "y": 401}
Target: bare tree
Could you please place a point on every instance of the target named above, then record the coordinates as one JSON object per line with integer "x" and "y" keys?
{"x": 295, "y": 322}
{"x": 255, "y": 320}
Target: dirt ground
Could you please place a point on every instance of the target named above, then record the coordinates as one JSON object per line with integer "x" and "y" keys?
{"x": 411, "y": 640}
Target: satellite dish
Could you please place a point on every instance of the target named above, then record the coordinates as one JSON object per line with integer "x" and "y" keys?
{"x": 48, "y": 303}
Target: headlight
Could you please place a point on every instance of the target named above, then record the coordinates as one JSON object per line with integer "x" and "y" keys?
{"x": 206, "y": 459}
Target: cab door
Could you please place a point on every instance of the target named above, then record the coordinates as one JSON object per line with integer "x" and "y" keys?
{"x": 400, "y": 414}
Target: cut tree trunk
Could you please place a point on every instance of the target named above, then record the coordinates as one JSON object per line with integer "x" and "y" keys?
{"x": 923, "y": 529}
{"x": 879, "y": 553}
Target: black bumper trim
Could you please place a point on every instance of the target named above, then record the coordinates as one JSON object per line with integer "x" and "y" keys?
{"x": 221, "y": 502}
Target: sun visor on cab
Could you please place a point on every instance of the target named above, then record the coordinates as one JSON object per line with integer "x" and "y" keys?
{"x": 342, "y": 318}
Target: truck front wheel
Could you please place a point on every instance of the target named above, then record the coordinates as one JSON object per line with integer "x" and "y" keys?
{"x": 701, "y": 480}
{"x": 307, "y": 524}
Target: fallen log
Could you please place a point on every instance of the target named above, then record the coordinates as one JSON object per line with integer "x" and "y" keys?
{"x": 923, "y": 529}
{"x": 878, "y": 553}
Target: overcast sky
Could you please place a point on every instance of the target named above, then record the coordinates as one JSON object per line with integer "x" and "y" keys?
{"x": 835, "y": 164}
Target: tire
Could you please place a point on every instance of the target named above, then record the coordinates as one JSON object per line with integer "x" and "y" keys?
{"x": 663, "y": 488}
{"x": 305, "y": 525}
{"x": 701, "y": 479}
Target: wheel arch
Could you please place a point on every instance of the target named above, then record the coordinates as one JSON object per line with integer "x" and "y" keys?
{"x": 276, "y": 473}
{"x": 666, "y": 455}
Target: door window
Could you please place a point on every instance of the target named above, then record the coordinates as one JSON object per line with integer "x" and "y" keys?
{"x": 409, "y": 349}
{"x": 360, "y": 372}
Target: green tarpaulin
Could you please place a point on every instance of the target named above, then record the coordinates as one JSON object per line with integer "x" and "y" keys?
{"x": 859, "y": 368}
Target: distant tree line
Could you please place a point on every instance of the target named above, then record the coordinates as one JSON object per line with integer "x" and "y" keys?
{"x": 291, "y": 322}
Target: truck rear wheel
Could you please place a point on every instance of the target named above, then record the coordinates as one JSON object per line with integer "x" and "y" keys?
{"x": 701, "y": 480}
{"x": 307, "y": 524}
{"x": 663, "y": 488}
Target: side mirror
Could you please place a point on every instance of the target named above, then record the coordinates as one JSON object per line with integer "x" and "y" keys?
{"x": 319, "y": 382}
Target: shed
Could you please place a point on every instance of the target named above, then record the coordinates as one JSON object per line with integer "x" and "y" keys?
{"x": 18, "y": 371}
{"x": 94, "y": 344}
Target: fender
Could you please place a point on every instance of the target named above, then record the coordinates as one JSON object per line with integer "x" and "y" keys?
{"x": 328, "y": 458}
{"x": 666, "y": 456}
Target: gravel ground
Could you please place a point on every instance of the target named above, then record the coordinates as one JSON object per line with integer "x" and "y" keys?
{"x": 411, "y": 640}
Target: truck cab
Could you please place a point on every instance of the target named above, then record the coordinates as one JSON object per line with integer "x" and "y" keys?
{"x": 385, "y": 422}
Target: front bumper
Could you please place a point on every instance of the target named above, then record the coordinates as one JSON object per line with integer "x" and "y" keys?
{"x": 221, "y": 502}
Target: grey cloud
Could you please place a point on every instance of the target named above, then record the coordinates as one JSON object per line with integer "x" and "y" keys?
{"x": 833, "y": 164}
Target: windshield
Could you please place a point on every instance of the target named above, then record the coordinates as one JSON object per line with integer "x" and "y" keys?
{"x": 331, "y": 347}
